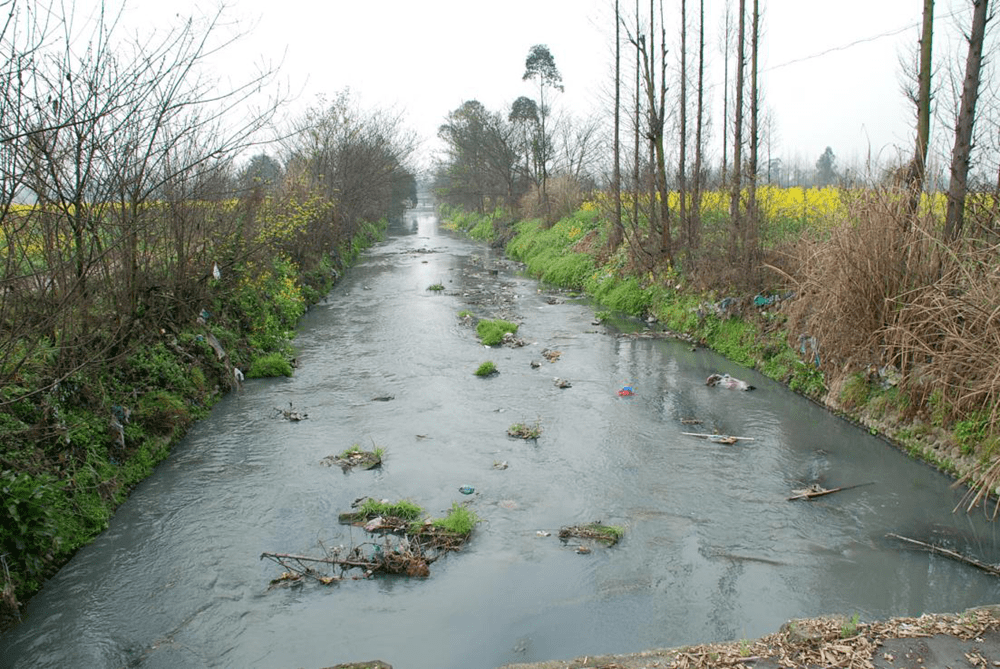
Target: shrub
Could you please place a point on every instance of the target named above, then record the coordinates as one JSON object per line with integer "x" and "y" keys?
{"x": 272, "y": 364}
{"x": 163, "y": 413}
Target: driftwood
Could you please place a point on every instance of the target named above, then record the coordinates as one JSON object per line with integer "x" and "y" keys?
{"x": 718, "y": 438}
{"x": 992, "y": 569}
{"x": 809, "y": 493}
{"x": 605, "y": 534}
{"x": 402, "y": 558}
{"x": 290, "y": 413}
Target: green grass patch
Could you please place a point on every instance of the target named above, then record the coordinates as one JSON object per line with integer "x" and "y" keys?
{"x": 807, "y": 380}
{"x": 972, "y": 431}
{"x": 403, "y": 509}
{"x": 460, "y": 520}
{"x": 270, "y": 365}
{"x": 491, "y": 332}
{"x": 619, "y": 294}
{"x": 525, "y": 430}
{"x": 488, "y": 368}
{"x": 856, "y": 391}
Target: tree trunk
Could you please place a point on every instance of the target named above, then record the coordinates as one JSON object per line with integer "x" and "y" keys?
{"x": 918, "y": 167}
{"x": 959, "y": 186}
{"x": 695, "y": 213}
{"x": 725, "y": 93}
{"x": 753, "y": 215}
{"x": 617, "y": 233}
{"x": 682, "y": 161}
{"x": 737, "y": 182}
{"x": 635, "y": 167}
{"x": 666, "y": 243}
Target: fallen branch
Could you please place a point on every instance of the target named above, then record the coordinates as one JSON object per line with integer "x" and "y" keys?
{"x": 809, "y": 494}
{"x": 717, "y": 436}
{"x": 278, "y": 557}
{"x": 949, "y": 553}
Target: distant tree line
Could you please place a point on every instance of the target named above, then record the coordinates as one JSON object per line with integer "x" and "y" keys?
{"x": 654, "y": 139}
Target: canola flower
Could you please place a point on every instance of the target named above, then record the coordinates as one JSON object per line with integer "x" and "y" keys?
{"x": 788, "y": 211}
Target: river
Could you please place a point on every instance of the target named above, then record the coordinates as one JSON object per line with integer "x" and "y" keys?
{"x": 712, "y": 549}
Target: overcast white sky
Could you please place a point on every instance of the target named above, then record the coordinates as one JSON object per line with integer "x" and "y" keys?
{"x": 828, "y": 78}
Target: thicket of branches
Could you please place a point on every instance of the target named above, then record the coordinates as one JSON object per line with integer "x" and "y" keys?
{"x": 144, "y": 258}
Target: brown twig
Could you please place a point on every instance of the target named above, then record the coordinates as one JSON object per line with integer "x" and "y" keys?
{"x": 949, "y": 553}
{"x": 819, "y": 493}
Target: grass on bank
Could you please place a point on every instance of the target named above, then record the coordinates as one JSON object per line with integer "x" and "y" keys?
{"x": 844, "y": 233}
{"x": 58, "y": 498}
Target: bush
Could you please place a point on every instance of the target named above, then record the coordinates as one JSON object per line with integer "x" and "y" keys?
{"x": 270, "y": 365}
{"x": 162, "y": 412}
{"x": 29, "y": 531}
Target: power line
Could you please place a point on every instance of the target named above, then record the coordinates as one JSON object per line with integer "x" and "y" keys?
{"x": 863, "y": 40}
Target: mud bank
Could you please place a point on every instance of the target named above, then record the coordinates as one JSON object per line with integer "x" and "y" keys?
{"x": 971, "y": 638}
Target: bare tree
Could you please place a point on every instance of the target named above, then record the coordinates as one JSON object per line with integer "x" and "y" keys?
{"x": 921, "y": 99}
{"x": 102, "y": 128}
{"x": 752, "y": 223}
{"x": 736, "y": 186}
{"x": 617, "y": 231}
{"x": 682, "y": 159}
{"x": 727, "y": 34}
{"x": 958, "y": 185}
{"x": 694, "y": 223}
{"x": 653, "y": 60}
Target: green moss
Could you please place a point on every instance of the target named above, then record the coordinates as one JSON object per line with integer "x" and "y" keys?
{"x": 491, "y": 332}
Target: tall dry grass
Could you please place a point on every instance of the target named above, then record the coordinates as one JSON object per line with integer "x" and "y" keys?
{"x": 565, "y": 195}
{"x": 849, "y": 278}
{"x": 881, "y": 289}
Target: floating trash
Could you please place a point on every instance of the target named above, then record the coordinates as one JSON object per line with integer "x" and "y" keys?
{"x": 466, "y": 490}
{"x": 726, "y": 381}
{"x": 626, "y": 391}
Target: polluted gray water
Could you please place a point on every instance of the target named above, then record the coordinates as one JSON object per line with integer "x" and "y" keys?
{"x": 712, "y": 549}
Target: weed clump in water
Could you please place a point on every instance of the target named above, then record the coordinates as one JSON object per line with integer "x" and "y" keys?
{"x": 488, "y": 368}
{"x": 491, "y": 332}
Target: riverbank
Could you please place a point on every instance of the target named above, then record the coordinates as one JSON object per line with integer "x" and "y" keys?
{"x": 772, "y": 329}
{"x": 119, "y": 420}
{"x": 971, "y": 638}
